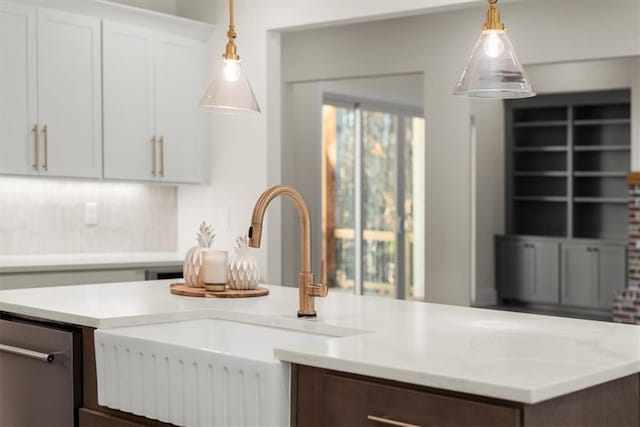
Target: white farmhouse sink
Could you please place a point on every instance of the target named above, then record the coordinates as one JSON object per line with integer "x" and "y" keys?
{"x": 198, "y": 373}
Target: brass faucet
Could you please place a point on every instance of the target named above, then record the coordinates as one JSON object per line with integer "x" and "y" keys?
{"x": 307, "y": 289}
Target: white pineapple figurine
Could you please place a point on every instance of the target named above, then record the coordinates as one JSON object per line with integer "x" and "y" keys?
{"x": 243, "y": 271}
{"x": 192, "y": 270}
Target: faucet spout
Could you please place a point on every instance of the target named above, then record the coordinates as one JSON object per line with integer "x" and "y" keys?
{"x": 307, "y": 289}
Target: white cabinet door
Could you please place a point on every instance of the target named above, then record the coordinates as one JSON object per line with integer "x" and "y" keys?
{"x": 69, "y": 86}
{"x": 179, "y": 84}
{"x": 129, "y": 125}
{"x": 18, "y": 92}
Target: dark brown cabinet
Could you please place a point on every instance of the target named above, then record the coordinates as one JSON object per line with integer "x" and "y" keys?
{"x": 328, "y": 398}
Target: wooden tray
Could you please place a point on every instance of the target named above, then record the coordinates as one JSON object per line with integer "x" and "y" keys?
{"x": 184, "y": 290}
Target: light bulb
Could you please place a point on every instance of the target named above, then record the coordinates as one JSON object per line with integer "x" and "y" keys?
{"x": 231, "y": 70}
{"x": 493, "y": 46}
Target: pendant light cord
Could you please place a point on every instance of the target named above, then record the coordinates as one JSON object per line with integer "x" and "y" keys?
{"x": 231, "y": 50}
{"x": 493, "y": 17}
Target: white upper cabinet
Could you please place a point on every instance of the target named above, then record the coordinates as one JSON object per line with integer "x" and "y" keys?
{"x": 110, "y": 96}
{"x": 129, "y": 125}
{"x": 179, "y": 84}
{"x": 152, "y": 123}
{"x": 18, "y": 89}
{"x": 50, "y": 80}
{"x": 69, "y": 94}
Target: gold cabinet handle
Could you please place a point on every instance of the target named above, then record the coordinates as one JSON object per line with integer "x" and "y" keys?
{"x": 36, "y": 144}
{"x": 389, "y": 422}
{"x": 45, "y": 131}
{"x": 161, "y": 142}
{"x": 153, "y": 156}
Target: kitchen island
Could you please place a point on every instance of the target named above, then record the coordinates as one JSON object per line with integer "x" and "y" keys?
{"x": 465, "y": 365}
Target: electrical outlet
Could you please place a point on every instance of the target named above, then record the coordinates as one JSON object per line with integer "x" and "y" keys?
{"x": 91, "y": 214}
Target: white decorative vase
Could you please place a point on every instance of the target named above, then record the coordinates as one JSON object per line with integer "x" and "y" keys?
{"x": 194, "y": 259}
{"x": 243, "y": 273}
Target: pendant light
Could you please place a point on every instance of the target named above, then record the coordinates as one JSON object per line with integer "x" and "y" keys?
{"x": 229, "y": 89}
{"x": 493, "y": 70}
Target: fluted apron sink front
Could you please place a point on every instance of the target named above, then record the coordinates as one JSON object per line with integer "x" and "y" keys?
{"x": 198, "y": 373}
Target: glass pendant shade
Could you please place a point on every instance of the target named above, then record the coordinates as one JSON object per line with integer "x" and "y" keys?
{"x": 493, "y": 70}
{"x": 229, "y": 90}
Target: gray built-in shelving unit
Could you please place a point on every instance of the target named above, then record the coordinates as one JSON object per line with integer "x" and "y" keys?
{"x": 568, "y": 157}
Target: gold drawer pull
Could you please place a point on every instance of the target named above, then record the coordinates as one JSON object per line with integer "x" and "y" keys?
{"x": 161, "y": 142}
{"x": 36, "y": 145}
{"x": 389, "y": 422}
{"x": 153, "y": 156}
{"x": 45, "y": 131}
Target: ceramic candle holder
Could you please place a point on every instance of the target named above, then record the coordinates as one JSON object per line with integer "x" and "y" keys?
{"x": 214, "y": 266}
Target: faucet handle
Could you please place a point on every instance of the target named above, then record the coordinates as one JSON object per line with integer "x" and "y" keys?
{"x": 323, "y": 273}
{"x": 320, "y": 290}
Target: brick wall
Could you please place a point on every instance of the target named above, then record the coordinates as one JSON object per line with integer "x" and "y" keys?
{"x": 626, "y": 304}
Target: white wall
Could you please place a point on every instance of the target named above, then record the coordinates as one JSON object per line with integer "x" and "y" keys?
{"x": 487, "y": 186}
{"x": 437, "y": 45}
{"x": 404, "y": 90}
{"x": 301, "y": 168}
{"x": 163, "y": 6}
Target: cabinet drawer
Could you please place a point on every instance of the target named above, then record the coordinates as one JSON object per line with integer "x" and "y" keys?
{"x": 331, "y": 399}
{"x": 35, "y": 390}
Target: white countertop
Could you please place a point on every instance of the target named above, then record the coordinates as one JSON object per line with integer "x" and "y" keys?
{"x": 513, "y": 356}
{"x": 94, "y": 261}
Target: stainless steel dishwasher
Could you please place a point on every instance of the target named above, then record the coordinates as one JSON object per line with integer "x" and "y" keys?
{"x": 36, "y": 375}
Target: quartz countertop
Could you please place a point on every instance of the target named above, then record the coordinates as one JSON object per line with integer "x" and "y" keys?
{"x": 513, "y": 356}
{"x": 89, "y": 261}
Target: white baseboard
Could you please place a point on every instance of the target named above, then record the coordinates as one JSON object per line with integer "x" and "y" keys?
{"x": 486, "y": 297}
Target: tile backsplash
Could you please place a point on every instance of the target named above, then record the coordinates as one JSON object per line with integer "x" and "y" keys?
{"x": 47, "y": 216}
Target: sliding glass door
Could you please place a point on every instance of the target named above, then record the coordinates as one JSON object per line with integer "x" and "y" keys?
{"x": 373, "y": 198}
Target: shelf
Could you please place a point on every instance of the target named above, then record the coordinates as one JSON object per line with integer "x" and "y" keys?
{"x": 542, "y": 173}
{"x": 598, "y": 174}
{"x": 541, "y": 123}
{"x": 544, "y": 148}
{"x": 622, "y": 200}
{"x": 602, "y": 148}
{"x": 540, "y": 199}
{"x": 595, "y": 122}
{"x": 568, "y": 160}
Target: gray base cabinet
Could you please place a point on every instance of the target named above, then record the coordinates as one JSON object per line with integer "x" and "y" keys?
{"x": 530, "y": 271}
{"x": 566, "y": 272}
{"x": 591, "y": 273}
